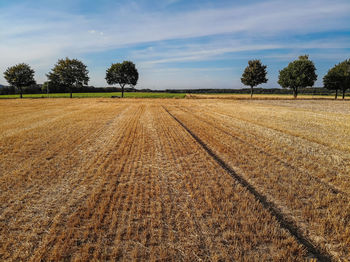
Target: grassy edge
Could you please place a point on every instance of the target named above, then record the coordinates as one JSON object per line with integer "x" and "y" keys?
{"x": 174, "y": 95}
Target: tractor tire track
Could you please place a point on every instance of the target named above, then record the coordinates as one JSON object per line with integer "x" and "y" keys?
{"x": 285, "y": 223}
{"x": 332, "y": 188}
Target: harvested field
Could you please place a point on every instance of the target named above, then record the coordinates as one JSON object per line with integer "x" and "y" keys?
{"x": 179, "y": 180}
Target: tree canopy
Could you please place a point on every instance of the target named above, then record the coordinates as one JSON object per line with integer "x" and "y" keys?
{"x": 299, "y": 73}
{"x": 123, "y": 74}
{"x": 254, "y": 74}
{"x": 69, "y": 74}
{"x": 20, "y": 76}
{"x": 338, "y": 77}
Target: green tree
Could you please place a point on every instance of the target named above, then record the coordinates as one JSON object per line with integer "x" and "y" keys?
{"x": 70, "y": 74}
{"x": 20, "y": 76}
{"x": 254, "y": 74}
{"x": 344, "y": 71}
{"x": 123, "y": 74}
{"x": 338, "y": 77}
{"x": 333, "y": 79}
{"x": 299, "y": 73}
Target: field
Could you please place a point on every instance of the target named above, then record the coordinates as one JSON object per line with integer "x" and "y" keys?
{"x": 174, "y": 180}
{"x": 264, "y": 96}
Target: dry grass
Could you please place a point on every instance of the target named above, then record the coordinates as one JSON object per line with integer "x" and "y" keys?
{"x": 297, "y": 156}
{"x": 102, "y": 179}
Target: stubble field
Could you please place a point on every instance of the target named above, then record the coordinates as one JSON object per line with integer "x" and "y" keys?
{"x": 174, "y": 180}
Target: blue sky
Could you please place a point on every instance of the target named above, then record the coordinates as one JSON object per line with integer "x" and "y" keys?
{"x": 174, "y": 43}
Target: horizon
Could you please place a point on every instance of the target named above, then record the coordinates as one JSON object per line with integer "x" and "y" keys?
{"x": 175, "y": 44}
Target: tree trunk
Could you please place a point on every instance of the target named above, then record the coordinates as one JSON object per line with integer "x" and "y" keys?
{"x": 20, "y": 92}
{"x": 71, "y": 95}
{"x": 295, "y": 92}
{"x": 123, "y": 91}
{"x": 251, "y": 92}
{"x": 336, "y": 94}
{"x": 344, "y": 93}
{"x": 20, "y": 95}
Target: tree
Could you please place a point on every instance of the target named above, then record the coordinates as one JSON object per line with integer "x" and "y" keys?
{"x": 254, "y": 74}
{"x": 333, "y": 80}
{"x": 338, "y": 78}
{"x": 70, "y": 74}
{"x": 345, "y": 72}
{"x": 299, "y": 73}
{"x": 20, "y": 76}
{"x": 123, "y": 74}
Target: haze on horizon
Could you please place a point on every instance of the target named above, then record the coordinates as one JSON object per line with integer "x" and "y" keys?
{"x": 174, "y": 43}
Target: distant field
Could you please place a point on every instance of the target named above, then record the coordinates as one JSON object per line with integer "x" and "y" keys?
{"x": 87, "y": 95}
{"x": 260, "y": 96}
{"x": 173, "y": 95}
{"x": 174, "y": 180}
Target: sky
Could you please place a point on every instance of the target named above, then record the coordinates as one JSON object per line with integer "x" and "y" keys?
{"x": 175, "y": 44}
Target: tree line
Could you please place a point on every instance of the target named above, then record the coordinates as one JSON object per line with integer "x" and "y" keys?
{"x": 71, "y": 74}
{"x": 300, "y": 73}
